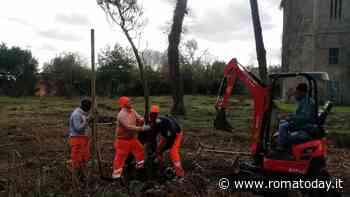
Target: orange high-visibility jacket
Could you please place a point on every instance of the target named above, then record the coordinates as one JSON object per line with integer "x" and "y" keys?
{"x": 127, "y": 123}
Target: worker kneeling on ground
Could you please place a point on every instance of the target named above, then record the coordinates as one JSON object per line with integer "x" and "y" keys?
{"x": 126, "y": 141}
{"x": 78, "y": 140}
{"x": 171, "y": 137}
{"x": 302, "y": 119}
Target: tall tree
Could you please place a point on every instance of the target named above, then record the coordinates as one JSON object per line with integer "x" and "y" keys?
{"x": 152, "y": 58}
{"x": 66, "y": 75}
{"x": 18, "y": 69}
{"x": 191, "y": 47}
{"x": 127, "y": 14}
{"x": 174, "y": 38}
{"x": 115, "y": 71}
{"x": 259, "y": 42}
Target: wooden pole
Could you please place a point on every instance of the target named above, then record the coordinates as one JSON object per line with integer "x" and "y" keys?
{"x": 93, "y": 95}
{"x": 95, "y": 148}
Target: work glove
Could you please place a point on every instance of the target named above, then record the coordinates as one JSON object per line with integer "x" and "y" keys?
{"x": 146, "y": 128}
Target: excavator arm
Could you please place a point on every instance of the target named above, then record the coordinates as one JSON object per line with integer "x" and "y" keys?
{"x": 260, "y": 94}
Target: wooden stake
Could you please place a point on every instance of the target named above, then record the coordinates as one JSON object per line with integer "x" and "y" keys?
{"x": 93, "y": 94}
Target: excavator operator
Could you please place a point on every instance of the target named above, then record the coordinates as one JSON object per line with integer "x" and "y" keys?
{"x": 301, "y": 120}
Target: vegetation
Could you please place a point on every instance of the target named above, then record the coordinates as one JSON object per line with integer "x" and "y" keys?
{"x": 34, "y": 147}
{"x": 66, "y": 75}
{"x": 128, "y": 15}
{"x": 174, "y": 39}
{"x": 18, "y": 69}
{"x": 183, "y": 81}
{"x": 201, "y": 109}
{"x": 291, "y": 107}
{"x": 116, "y": 72}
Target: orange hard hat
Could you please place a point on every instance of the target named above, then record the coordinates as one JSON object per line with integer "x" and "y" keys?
{"x": 154, "y": 109}
{"x": 123, "y": 101}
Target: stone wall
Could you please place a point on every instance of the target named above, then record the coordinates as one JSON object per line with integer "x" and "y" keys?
{"x": 308, "y": 33}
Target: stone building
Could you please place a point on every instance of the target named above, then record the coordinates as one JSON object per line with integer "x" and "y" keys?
{"x": 316, "y": 37}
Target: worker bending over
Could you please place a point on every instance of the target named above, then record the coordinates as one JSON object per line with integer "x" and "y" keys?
{"x": 303, "y": 118}
{"x": 171, "y": 137}
{"x": 129, "y": 125}
{"x": 78, "y": 140}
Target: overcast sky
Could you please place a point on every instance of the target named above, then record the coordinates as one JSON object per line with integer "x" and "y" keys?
{"x": 49, "y": 27}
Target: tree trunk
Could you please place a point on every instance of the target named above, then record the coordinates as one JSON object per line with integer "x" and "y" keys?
{"x": 146, "y": 140}
{"x": 142, "y": 75}
{"x": 259, "y": 42}
{"x": 174, "y": 38}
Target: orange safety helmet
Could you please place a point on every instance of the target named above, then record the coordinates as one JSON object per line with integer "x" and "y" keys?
{"x": 123, "y": 101}
{"x": 154, "y": 109}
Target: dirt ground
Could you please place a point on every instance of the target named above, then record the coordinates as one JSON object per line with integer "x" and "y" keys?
{"x": 34, "y": 151}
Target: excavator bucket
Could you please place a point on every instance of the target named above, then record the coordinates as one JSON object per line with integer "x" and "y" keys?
{"x": 220, "y": 121}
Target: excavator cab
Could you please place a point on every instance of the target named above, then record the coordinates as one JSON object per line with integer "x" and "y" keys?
{"x": 308, "y": 148}
{"x": 307, "y": 154}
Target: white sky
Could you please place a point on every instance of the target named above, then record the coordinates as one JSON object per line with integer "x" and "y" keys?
{"x": 49, "y": 27}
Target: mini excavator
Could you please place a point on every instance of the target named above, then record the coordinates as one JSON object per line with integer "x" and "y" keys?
{"x": 306, "y": 157}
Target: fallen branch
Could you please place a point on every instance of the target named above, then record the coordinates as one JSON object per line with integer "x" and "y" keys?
{"x": 227, "y": 152}
{"x": 16, "y": 166}
{"x": 213, "y": 150}
{"x": 346, "y": 166}
{"x": 105, "y": 124}
{"x": 4, "y": 145}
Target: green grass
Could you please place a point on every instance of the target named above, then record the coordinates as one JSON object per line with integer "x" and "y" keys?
{"x": 337, "y": 121}
{"x": 200, "y": 111}
{"x": 23, "y": 119}
{"x": 339, "y": 131}
{"x": 291, "y": 107}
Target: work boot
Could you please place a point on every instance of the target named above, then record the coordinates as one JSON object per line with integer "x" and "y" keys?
{"x": 116, "y": 174}
{"x": 116, "y": 177}
{"x": 118, "y": 180}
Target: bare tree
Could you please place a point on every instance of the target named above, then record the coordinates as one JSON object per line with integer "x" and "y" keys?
{"x": 259, "y": 42}
{"x": 174, "y": 38}
{"x": 191, "y": 47}
{"x": 127, "y": 14}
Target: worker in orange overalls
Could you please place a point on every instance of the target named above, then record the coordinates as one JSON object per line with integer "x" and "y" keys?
{"x": 170, "y": 138}
{"x": 78, "y": 140}
{"x": 126, "y": 142}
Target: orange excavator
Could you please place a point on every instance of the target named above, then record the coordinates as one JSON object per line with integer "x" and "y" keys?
{"x": 307, "y": 155}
